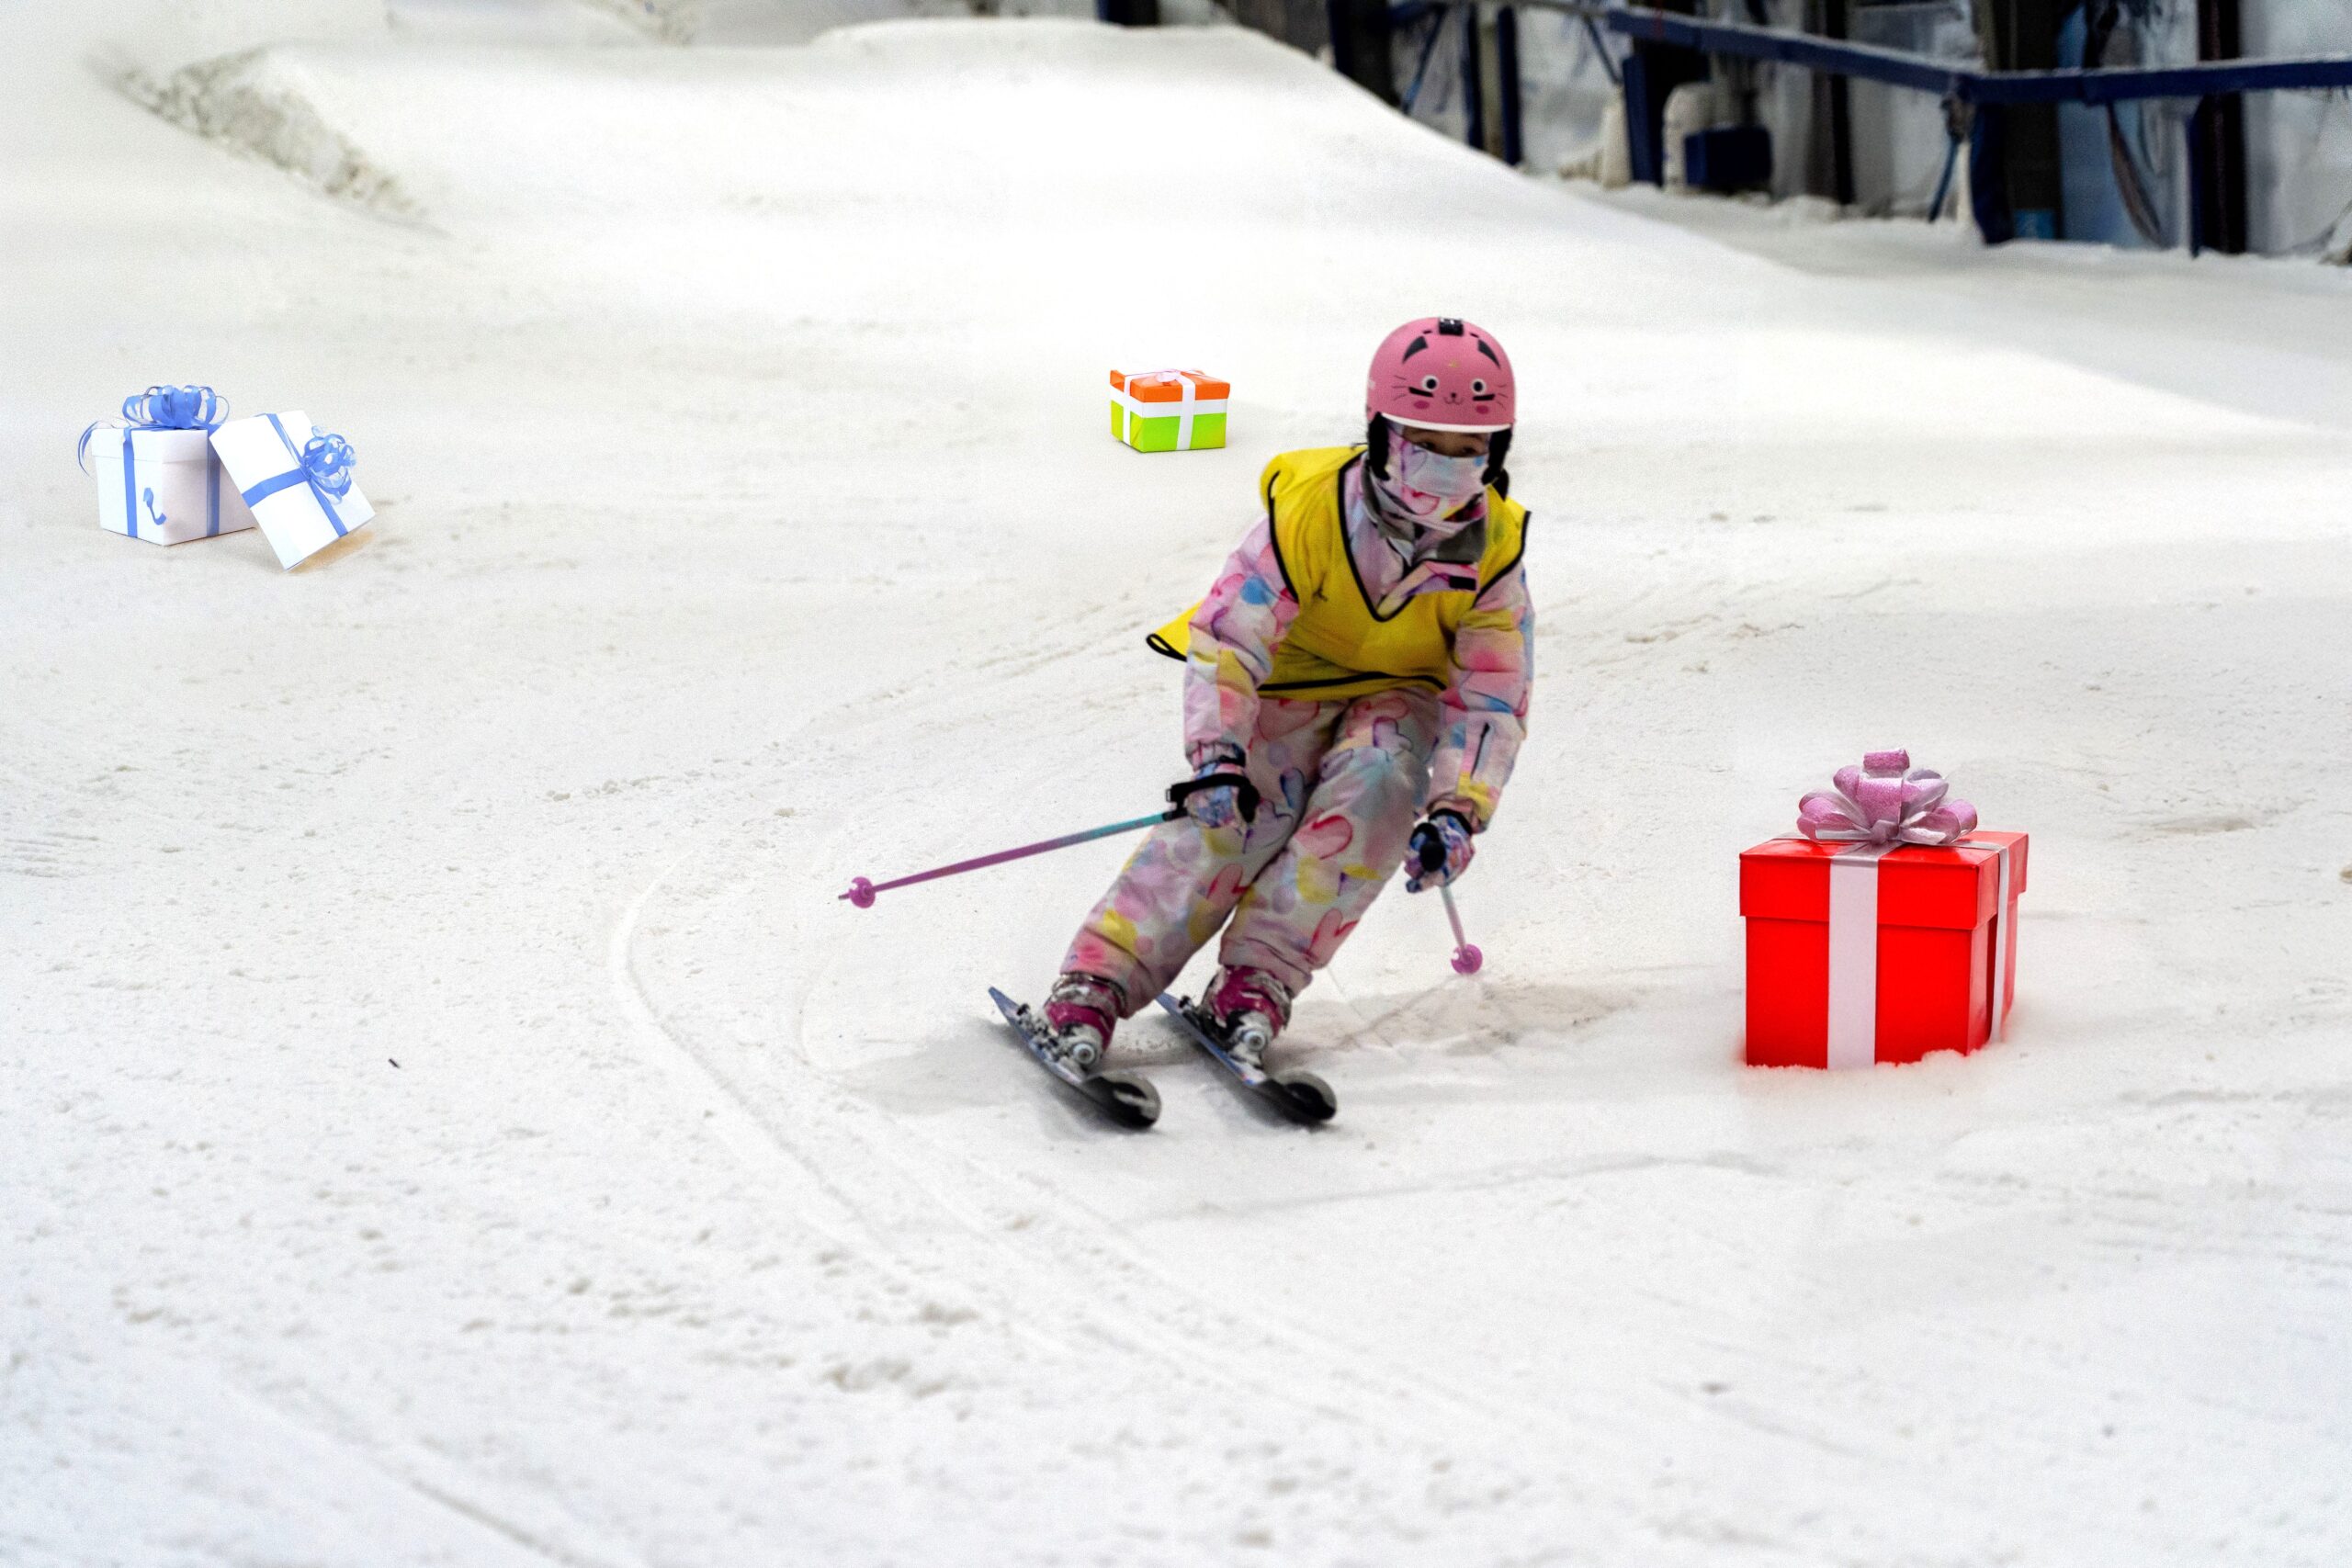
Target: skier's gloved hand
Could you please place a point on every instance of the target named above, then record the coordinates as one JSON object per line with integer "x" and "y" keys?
{"x": 1218, "y": 795}
{"x": 1439, "y": 851}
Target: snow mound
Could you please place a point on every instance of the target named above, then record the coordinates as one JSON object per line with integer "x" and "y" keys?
{"x": 258, "y": 102}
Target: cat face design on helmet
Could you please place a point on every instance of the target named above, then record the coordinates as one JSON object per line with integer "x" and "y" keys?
{"x": 1442, "y": 372}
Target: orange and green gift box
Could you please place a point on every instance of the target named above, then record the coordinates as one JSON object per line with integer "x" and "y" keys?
{"x": 1168, "y": 411}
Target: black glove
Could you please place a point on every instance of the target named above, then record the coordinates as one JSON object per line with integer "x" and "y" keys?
{"x": 1438, "y": 851}
{"x": 1219, "y": 795}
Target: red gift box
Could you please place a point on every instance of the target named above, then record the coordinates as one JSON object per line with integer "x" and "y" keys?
{"x": 1858, "y": 954}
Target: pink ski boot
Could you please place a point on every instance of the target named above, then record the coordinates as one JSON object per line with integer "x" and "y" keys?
{"x": 1252, "y": 1006}
{"x": 1082, "y": 1011}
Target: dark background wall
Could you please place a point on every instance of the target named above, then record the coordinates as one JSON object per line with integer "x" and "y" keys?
{"x": 1303, "y": 24}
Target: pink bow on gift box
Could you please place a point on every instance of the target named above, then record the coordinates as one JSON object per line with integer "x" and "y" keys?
{"x": 1885, "y": 801}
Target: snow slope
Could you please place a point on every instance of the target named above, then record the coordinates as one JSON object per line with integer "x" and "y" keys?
{"x": 450, "y": 1119}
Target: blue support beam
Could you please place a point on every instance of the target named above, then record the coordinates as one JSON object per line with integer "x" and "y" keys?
{"x": 1834, "y": 57}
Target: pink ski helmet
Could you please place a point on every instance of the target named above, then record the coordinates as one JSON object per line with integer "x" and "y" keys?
{"x": 1442, "y": 372}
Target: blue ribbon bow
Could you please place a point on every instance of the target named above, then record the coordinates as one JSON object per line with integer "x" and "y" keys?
{"x": 323, "y": 462}
{"x": 162, "y": 408}
{"x": 175, "y": 407}
{"x": 328, "y": 458}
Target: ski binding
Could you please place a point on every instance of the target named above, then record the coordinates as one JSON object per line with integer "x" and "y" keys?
{"x": 1128, "y": 1099}
{"x": 1301, "y": 1096}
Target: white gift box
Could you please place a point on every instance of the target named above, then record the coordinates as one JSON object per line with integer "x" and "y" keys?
{"x": 302, "y": 499}
{"x": 163, "y": 486}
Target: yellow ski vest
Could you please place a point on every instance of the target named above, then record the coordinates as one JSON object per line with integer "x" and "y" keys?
{"x": 1338, "y": 646}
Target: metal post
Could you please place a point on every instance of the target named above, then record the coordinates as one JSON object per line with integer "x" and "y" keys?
{"x": 1361, "y": 47}
{"x": 1841, "y": 113}
{"x": 1988, "y": 175}
{"x": 1473, "y": 103}
{"x": 2025, "y": 38}
{"x": 2217, "y": 141}
{"x": 1507, "y": 68}
{"x": 2200, "y": 193}
{"x": 1943, "y": 181}
{"x": 1959, "y": 120}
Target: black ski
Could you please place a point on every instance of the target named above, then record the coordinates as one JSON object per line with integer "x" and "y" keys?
{"x": 1300, "y": 1096}
{"x": 1124, "y": 1098}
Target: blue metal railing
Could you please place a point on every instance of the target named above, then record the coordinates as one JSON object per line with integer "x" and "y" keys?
{"x": 1972, "y": 85}
{"x": 1978, "y": 88}
{"x": 1956, "y": 83}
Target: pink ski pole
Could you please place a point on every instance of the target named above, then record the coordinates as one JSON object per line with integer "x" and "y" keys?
{"x": 861, "y": 892}
{"x": 1467, "y": 958}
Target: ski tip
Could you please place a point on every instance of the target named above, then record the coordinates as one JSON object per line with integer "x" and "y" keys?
{"x": 1311, "y": 1099}
{"x": 1130, "y": 1100}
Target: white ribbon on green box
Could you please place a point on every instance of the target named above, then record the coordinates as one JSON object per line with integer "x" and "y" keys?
{"x": 1199, "y": 422}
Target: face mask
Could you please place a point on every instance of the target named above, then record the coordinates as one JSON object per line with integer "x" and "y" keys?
{"x": 1429, "y": 485}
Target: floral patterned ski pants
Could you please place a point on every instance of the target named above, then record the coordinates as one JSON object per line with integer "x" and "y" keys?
{"x": 1342, "y": 785}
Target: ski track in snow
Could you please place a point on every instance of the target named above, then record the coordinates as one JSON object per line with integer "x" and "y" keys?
{"x": 1071, "y": 1272}
{"x": 453, "y": 1121}
{"x": 1038, "y": 1263}
{"x": 456, "y": 1495}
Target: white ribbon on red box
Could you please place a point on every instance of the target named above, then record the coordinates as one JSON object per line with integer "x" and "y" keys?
{"x": 1853, "y": 955}
{"x": 1876, "y": 809}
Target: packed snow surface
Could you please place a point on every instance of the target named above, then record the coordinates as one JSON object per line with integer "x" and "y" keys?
{"x": 449, "y": 1118}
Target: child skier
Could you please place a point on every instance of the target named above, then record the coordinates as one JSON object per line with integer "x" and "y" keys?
{"x": 1362, "y": 662}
